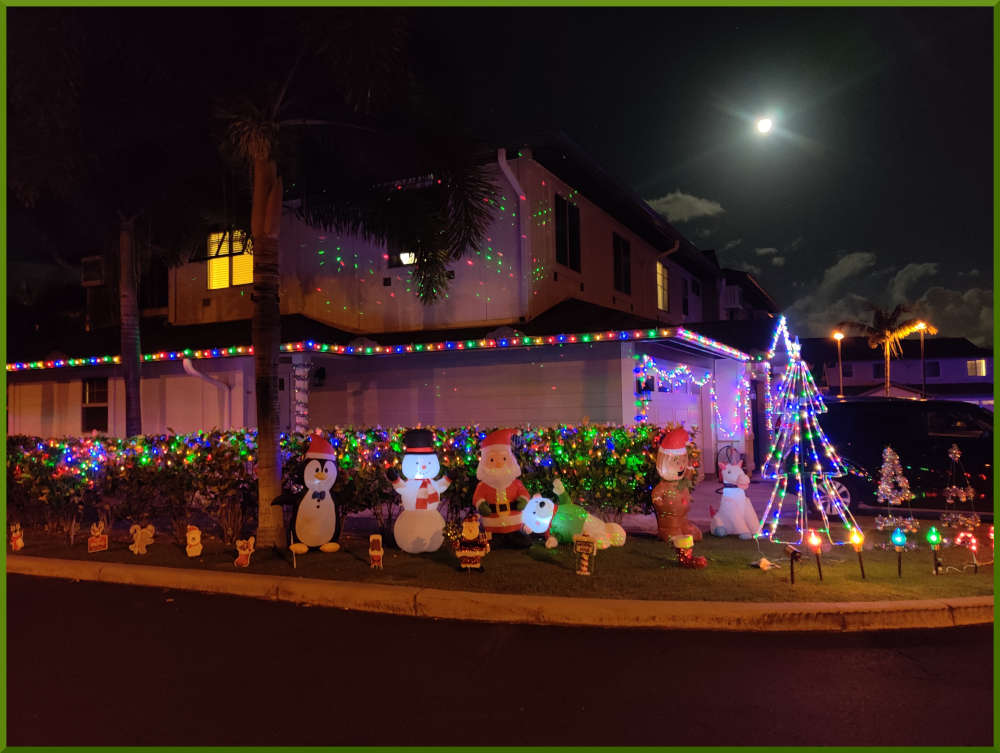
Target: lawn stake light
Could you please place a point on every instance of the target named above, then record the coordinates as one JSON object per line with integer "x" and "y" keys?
{"x": 967, "y": 539}
{"x": 815, "y": 544}
{"x": 857, "y": 540}
{"x": 375, "y": 551}
{"x": 934, "y": 539}
{"x": 586, "y": 551}
{"x": 794, "y": 555}
{"x": 899, "y": 541}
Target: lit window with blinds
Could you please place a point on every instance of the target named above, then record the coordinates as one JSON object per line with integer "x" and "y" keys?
{"x": 230, "y": 260}
{"x": 662, "y": 287}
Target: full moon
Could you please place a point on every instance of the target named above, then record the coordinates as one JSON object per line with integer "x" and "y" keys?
{"x": 764, "y": 125}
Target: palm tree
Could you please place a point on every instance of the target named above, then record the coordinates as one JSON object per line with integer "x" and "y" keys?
{"x": 440, "y": 220}
{"x": 886, "y": 330}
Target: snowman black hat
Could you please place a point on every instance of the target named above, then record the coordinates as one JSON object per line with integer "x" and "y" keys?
{"x": 419, "y": 442}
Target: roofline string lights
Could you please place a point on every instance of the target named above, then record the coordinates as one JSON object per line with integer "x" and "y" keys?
{"x": 738, "y": 426}
{"x": 459, "y": 345}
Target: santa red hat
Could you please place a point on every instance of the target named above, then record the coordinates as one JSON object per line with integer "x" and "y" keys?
{"x": 674, "y": 442}
{"x": 320, "y": 449}
{"x": 500, "y": 437}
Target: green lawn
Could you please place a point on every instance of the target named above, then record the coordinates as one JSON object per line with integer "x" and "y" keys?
{"x": 644, "y": 568}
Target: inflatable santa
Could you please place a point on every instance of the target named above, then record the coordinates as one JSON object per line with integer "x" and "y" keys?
{"x": 500, "y": 496}
{"x": 672, "y": 496}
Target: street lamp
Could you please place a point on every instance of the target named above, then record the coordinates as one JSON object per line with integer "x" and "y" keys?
{"x": 838, "y": 336}
{"x": 921, "y": 328}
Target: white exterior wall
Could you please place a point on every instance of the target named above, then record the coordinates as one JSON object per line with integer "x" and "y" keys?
{"x": 517, "y": 387}
{"x": 49, "y": 405}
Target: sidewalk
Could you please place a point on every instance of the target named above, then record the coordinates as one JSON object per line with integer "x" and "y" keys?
{"x": 528, "y": 609}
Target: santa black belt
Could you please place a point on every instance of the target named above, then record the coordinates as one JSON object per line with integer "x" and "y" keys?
{"x": 497, "y": 508}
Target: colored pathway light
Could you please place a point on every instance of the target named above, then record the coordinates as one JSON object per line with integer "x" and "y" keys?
{"x": 934, "y": 539}
{"x": 815, "y": 544}
{"x": 967, "y": 539}
{"x": 899, "y": 541}
{"x": 857, "y": 541}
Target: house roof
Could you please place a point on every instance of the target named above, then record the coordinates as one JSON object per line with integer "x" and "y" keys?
{"x": 568, "y": 322}
{"x": 558, "y": 153}
{"x": 950, "y": 390}
{"x": 747, "y": 335}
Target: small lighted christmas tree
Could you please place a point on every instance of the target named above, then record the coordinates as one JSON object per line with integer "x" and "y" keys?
{"x": 893, "y": 488}
{"x": 801, "y": 459}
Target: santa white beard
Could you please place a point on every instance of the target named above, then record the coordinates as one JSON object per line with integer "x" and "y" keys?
{"x": 500, "y": 478}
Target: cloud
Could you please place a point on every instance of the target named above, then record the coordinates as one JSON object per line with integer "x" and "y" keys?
{"x": 958, "y": 313}
{"x": 819, "y": 310}
{"x": 681, "y": 207}
{"x": 847, "y": 286}
{"x": 778, "y": 261}
{"x": 746, "y": 267}
{"x": 901, "y": 284}
{"x": 732, "y": 244}
{"x": 765, "y": 251}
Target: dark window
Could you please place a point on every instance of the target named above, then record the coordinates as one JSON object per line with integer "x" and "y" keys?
{"x": 848, "y": 369}
{"x": 623, "y": 264}
{"x": 94, "y": 415}
{"x": 955, "y": 422}
{"x": 878, "y": 370}
{"x": 567, "y": 234}
{"x": 695, "y": 287}
{"x": 684, "y": 296}
{"x": 933, "y": 368}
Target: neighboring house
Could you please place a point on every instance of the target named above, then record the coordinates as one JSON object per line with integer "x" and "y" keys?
{"x": 570, "y": 252}
{"x": 954, "y": 368}
{"x": 742, "y": 297}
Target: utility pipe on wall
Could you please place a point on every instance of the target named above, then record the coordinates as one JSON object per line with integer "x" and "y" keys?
{"x": 228, "y": 388}
{"x": 524, "y": 288}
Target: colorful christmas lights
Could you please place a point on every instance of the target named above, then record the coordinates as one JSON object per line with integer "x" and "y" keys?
{"x": 801, "y": 448}
{"x": 893, "y": 488}
{"x": 518, "y": 341}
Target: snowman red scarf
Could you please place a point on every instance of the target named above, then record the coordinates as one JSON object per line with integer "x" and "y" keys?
{"x": 426, "y": 494}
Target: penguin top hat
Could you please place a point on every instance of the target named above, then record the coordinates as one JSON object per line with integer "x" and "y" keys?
{"x": 419, "y": 442}
{"x": 320, "y": 449}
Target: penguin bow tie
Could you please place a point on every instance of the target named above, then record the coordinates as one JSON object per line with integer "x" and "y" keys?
{"x": 319, "y": 495}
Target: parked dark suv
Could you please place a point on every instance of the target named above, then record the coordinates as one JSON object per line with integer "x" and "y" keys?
{"x": 920, "y": 431}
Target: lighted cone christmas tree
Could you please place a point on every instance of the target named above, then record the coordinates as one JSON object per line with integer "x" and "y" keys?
{"x": 893, "y": 488}
{"x": 802, "y": 461}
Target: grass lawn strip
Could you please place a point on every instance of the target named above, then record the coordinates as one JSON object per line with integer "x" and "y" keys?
{"x": 645, "y": 568}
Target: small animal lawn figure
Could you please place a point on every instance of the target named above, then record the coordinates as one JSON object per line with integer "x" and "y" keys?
{"x": 16, "y": 538}
{"x": 735, "y": 515}
{"x": 472, "y": 545}
{"x": 141, "y": 538}
{"x": 98, "y": 541}
{"x": 193, "y": 547}
{"x": 375, "y": 551}
{"x": 245, "y": 548}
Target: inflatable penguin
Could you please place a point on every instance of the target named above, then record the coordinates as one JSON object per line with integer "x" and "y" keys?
{"x": 314, "y": 516}
{"x": 420, "y": 527}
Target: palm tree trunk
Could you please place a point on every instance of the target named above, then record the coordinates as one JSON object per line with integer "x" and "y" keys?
{"x": 128, "y": 302}
{"x": 887, "y": 368}
{"x": 266, "y": 336}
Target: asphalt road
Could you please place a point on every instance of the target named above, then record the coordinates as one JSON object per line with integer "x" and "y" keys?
{"x": 101, "y": 664}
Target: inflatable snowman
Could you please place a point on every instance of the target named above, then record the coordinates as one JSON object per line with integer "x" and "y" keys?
{"x": 314, "y": 517}
{"x": 561, "y": 521}
{"x": 420, "y": 527}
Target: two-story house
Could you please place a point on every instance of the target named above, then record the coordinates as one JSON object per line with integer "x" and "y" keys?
{"x": 542, "y": 324}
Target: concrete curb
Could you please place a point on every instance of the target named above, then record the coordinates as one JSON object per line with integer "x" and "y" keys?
{"x": 540, "y": 610}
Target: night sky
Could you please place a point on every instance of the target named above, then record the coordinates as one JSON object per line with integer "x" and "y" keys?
{"x": 876, "y": 182}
